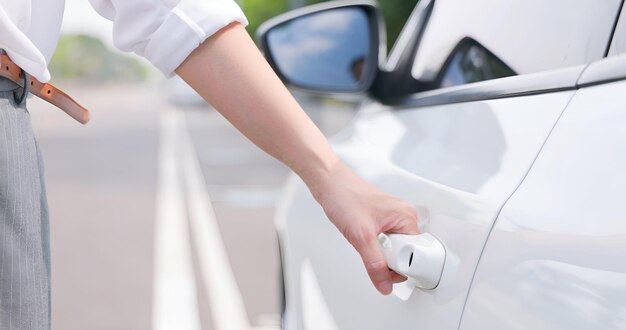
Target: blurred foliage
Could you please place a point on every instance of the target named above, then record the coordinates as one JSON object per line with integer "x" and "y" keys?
{"x": 88, "y": 58}
{"x": 396, "y": 12}
{"x": 259, "y": 11}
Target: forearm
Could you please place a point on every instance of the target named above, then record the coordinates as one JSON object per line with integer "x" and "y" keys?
{"x": 230, "y": 73}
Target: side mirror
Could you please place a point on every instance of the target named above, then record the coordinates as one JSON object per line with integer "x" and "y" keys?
{"x": 331, "y": 47}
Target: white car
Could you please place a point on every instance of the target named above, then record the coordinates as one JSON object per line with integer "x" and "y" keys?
{"x": 504, "y": 124}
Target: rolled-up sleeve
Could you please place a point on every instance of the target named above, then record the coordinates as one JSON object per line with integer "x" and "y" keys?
{"x": 166, "y": 31}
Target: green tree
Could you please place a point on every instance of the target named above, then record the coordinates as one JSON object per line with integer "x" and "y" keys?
{"x": 87, "y": 58}
{"x": 259, "y": 11}
{"x": 396, "y": 12}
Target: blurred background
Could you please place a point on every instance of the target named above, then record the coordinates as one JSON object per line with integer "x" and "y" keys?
{"x": 161, "y": 212}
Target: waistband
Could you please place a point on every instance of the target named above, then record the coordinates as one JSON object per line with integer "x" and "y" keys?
{"x": 11, "y": 90}
{"x": 7, "y": 85}
{"x": 44, "y": 91}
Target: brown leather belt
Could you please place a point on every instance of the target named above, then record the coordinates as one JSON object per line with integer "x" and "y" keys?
{"x": 47, "y": 92}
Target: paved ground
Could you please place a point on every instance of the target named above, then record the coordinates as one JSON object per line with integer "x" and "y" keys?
{"x": 161, "y": 214}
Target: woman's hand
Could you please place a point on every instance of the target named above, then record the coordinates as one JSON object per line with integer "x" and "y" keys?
{"x": 361, "y": 211}
{"x": 230, "y": 73}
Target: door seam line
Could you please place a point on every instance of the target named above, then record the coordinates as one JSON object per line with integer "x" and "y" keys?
{"x": 495, "y": 221}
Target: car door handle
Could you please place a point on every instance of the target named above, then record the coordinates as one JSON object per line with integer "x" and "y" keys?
{"x": 418, "y": 257}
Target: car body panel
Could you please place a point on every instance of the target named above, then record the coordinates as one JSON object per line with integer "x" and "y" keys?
{"x": 612, "y": 68}
{"x": 556, "y": 258}
{"x": 458, "y": 155}
{"x": 563, "y": 33}
{"x": 457, "y": 164}
{"x": 528, "y": 84}
{"x": 618, "y": 44}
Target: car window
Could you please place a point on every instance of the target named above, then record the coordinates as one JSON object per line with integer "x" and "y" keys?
{"x": 618, "y": 45}
{"x": 471, "y": 62}
{"x": 508, "y": 37}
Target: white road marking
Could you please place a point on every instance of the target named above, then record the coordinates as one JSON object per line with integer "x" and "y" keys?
{"x": 227, "y": 307}
{"x": 175, "y": 304}
{"x": 182, "y": 196}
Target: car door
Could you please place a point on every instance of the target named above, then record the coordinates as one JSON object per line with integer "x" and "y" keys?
{"x": 556, "y": 256}
{"x": 456, "y": 153}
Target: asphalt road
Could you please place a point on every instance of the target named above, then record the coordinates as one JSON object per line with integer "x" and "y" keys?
{"x": 161, "y": 215}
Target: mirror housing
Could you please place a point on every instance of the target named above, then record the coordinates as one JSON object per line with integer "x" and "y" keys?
{"x": 332, "y": 47}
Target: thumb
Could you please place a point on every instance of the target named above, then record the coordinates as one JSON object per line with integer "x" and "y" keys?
{"x": 375, "y": 264}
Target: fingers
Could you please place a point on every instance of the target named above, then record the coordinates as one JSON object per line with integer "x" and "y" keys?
{"x": 375, "y": 264}
{"x": 407, "y": 223}
{"x": 396, "y": 278}
{"x": 411, "y": 226}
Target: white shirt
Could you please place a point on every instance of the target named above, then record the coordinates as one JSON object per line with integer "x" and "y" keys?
{"x": 163, "y": 31}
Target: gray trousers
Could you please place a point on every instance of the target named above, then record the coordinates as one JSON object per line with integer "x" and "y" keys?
{"x": 24, "y": 227}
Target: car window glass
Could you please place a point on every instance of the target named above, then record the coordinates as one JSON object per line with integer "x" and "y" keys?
{"x": 528, "y": 36}
{"x": 471, "y": 62}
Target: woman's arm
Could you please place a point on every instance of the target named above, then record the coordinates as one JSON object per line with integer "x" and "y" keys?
{"x": 230, "y": 73}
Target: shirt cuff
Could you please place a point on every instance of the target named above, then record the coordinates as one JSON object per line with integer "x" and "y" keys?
{"x": 185, "y": 28}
